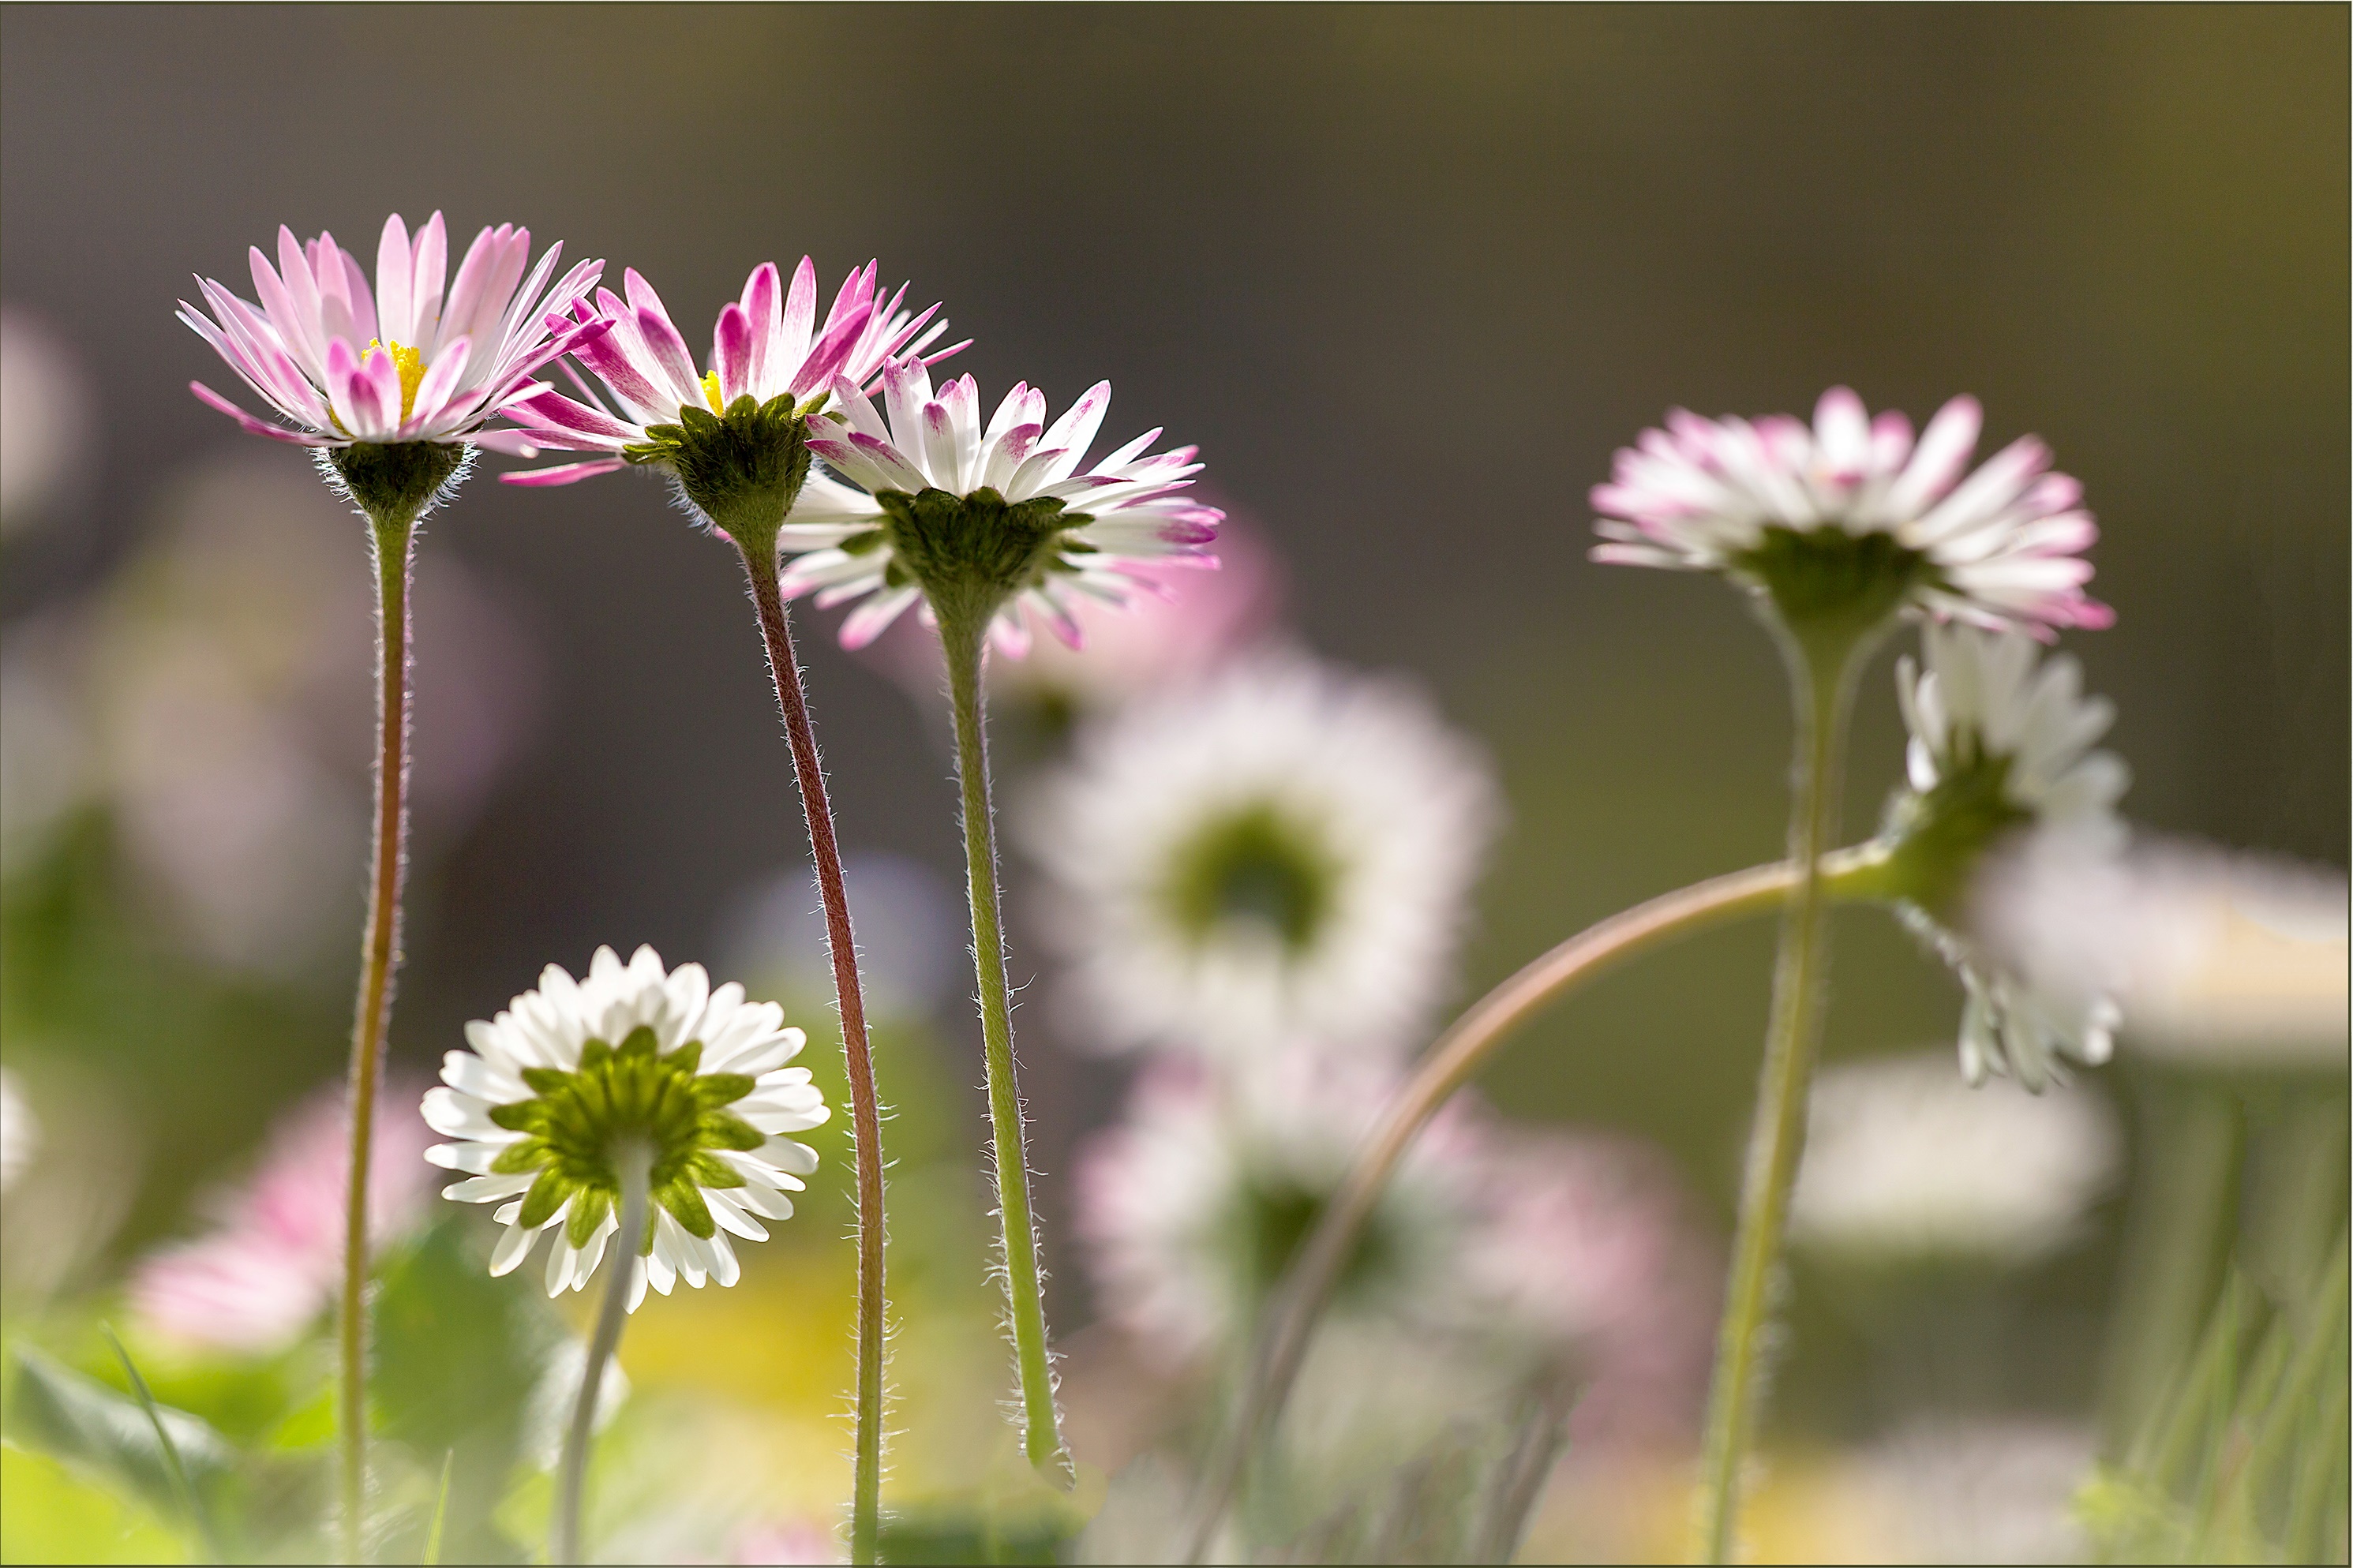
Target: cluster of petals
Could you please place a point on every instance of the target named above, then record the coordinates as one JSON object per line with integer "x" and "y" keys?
{"x": 325, "y": 353}
{"x": 766, "y": 344}
{"x": 1990, "y": 699}
{"x": 548, "y": 1028}
{"x": 2005, "y": 541}
{"x": 1129, "y": 509}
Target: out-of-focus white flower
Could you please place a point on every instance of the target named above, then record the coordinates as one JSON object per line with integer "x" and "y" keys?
{"x": 2220, "y": 958}
{"x": 1982, "y": 1490}
{"x": 2001, "y": 548}
{"x": 795, "y": 1541}
{"x": 2001, "y": 764}
{"x": 274, "y": 1258}
{"x": 1283, "y": 854}
{"x": 1904, "y": 1162}
{"x": 20, "y": 1130}
{"x": 909, "y": 926}
{"x": 215, "y": 699}
{"x": 1587, "y": 1241}
{"x": 1193, "y": 1205}
{"x": 45, "y": 409}
{"x": 635, "y": 1053}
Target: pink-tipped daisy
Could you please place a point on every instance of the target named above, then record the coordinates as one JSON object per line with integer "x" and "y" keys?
{"x": 768, "y": 344}
{"x": 1003, "y": 515}
{"x": 2000, "y": 547}
{"x": 420, "y": 358}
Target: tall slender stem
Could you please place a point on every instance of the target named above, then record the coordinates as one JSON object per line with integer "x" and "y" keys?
{"x": 1467, "y": 1045}
{"x": 961, "y": 638}
{"x": 1823, "y": 675}
{"x": 395, "y": 540}
{"x": 635, "y": 1163}
{"x": 865, "y": 1107}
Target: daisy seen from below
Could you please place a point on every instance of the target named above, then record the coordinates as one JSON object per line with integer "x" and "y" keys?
{"x": 964, "y": 514}
{"x": 984, "y": 525}
{"x": 1855, "y": 506}
{"x": 2001, "y": 764}
{"x": 554, "y": 1087}
{"x": 1283, "y": 852}
{"x": 768, "y": 346}
{"x": 419, "y": 358}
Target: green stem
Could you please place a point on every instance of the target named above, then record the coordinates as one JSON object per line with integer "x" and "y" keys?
{"x": 963, "y": 640}
{"x": 865, "y": 1105}
{"x": 1822, "y": 679}
{"x": 612, "y": 1315}
{"x": 395, "y": 539}
{"x": 1468, "y": 1045}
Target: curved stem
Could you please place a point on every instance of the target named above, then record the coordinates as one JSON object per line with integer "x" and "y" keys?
{"x": 1823, "y": 675}
{"x": 395, "y": 539}
{"x": 1466, "y": 1046}
{"x": 962, "y": 639}
{"x": 865, "y": 1107}
{"x": 628, "y": 1242}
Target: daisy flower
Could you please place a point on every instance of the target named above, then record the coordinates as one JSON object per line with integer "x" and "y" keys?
{"x": 2001, "y": 750}
{"x": 570, "y": 1071}
{"x": 1193, "y": 1207}
{"x": 1282, "y": 853}
{"x": 420, "y": 358}
{"x": 1902, "y": 1161}
{"x": 998, "y": 521}
{"x": 767, "y": 345}
{"x": 1855, "y": 506}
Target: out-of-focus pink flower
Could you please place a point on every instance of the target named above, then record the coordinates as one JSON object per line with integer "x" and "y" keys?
{"x": 44, "y": 418}
{"x": 275, "y": 1255}
{"x": 417, "y": 359}
{"x": 786, "y": 1541}
{"x": 1587, "y": 1241}
{"x": 2002, "y": 546}
{"x": 766, "y": 345}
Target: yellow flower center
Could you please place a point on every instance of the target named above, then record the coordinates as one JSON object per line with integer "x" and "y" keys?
{"x": 710, "y": 394}
{"x": 410, "y": 361}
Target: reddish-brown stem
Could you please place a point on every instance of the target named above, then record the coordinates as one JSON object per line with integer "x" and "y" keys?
{"x": 865, "y": 1109}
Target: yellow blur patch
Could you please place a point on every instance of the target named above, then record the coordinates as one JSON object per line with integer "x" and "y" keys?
{"x": 50, "y": 1514}
{"x": 711, "y": 393}
{"x": 411, "y": 364}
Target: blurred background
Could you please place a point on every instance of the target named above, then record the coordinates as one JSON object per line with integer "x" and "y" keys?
{"x": 1407, "y": 275}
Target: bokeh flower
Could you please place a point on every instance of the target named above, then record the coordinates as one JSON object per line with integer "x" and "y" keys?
{"x": 1000, "y": 512}
{"x": 274, "y": 1257}
{"x": 572, "y": 1072}
{"x": 20, "y": 1130}
{"x": 1192, "y": 1207}
{"x": 769, "y": 344}
{"x": 419, "y": 358}
{"x": 1280, "y": 854}
{"x": 2000, "y": 763}
{"x": 1902, "y": 1163}
{"x": 1771, "y": 502}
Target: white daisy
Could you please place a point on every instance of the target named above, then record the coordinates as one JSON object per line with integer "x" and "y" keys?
{"x": 1006, "y": 507}
{"x": 2001, "y": 548}
{"x": 1280, "y": 854}
{"x": 1194, "y": 1207}
{"x": 2001, "y": 750}
{"x": 575, "y": 1068}
{"x": 1902, "y": 1161}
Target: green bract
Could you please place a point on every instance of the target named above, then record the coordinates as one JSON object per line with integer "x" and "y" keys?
{"x": 1826, "y": 582}
{"x": 582, "y": 1120}
{"x": 1257, "y": 863}
{"x": 970, "y": 553}
{"x": 741, "y": 468}
{"x": 394, "y": 482}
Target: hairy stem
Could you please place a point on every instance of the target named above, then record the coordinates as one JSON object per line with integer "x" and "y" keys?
{"x": 1469, "y": 1043}
{"x": 635, "y": 1163}
{"x": 961, "y": 638}
{"x": 1823, "y": 675}
{"x": 394, "y": 541}
{"x": 865, "y": 1107}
